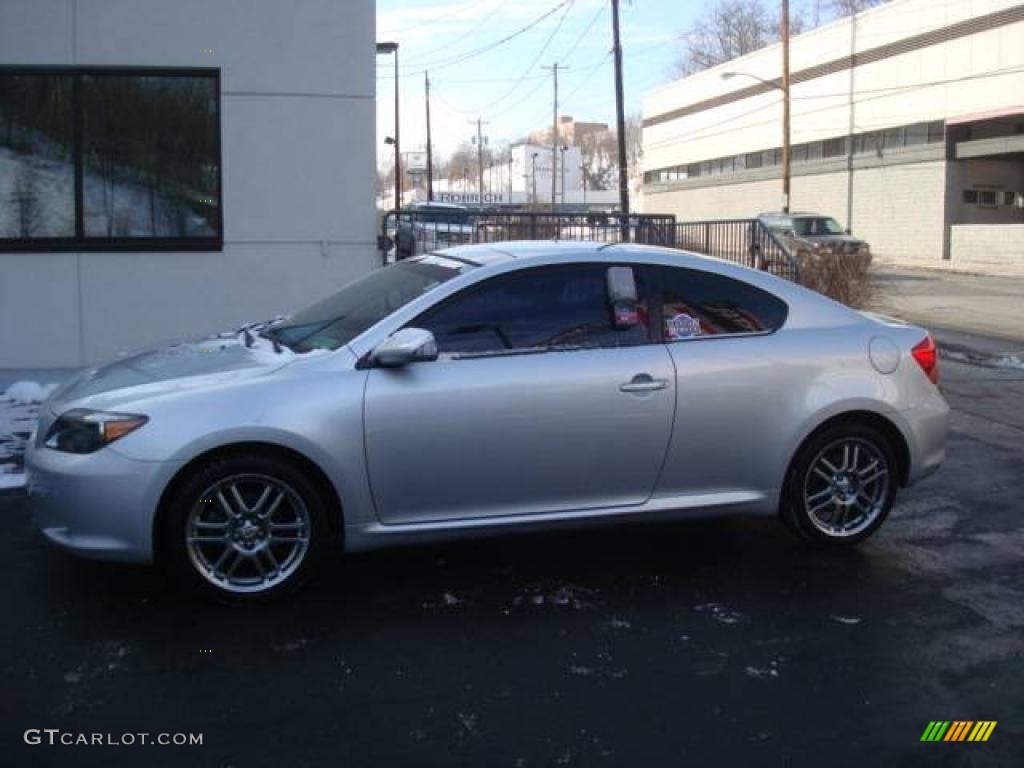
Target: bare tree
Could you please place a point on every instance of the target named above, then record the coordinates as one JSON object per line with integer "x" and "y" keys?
{"x": 24, "y": 199}
{"x": 730, "y": 28}
{"x": 841, "y": 8}
{"x": 462, "y": 163}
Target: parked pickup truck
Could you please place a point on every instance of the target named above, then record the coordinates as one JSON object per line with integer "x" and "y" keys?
{"x": 809, "y": 234}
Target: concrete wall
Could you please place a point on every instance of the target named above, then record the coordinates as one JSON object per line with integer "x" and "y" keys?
{"x": 298, "y": 172}
{"x": 898, "y": 209}
{"x": 999, "y": 175}
{"x": 978, "y": 73}
{"x": 988, "y": 247}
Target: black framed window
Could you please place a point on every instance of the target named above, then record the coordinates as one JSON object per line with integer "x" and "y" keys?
{"x": 563, "y": 307}
{"x": 110, "y": 159}
{"x": 834, "y": 147}
{"x": 697, "y": 304}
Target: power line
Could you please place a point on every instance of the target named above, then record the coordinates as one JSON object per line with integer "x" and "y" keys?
{"x": 881, "y": 94}
{"x": 459, "y": 58}
{"x": 508, "y": 108}
{"x": 532, "y": 65}
{"x": 440, "y": 17}
{"x": 465, "y": 35}
{"x": 583, "y": 34}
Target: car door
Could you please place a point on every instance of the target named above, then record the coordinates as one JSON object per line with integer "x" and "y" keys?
{"x": 545, "y": 398}
{"x": 740, "y": 387}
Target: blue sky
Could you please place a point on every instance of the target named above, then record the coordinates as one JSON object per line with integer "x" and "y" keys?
{"x": 505, "y": 84}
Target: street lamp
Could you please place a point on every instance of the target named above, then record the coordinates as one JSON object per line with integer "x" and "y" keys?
{"x": 393, "y": 48}
{"x": 784, "y": 88}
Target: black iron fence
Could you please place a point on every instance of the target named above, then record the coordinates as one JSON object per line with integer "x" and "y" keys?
{"x": 412, "y": 232}
{"x": 744, "y": 241}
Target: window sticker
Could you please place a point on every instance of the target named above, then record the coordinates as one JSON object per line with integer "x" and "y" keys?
{"x": 681, "y": 326}
{"x": 626, "y": 316}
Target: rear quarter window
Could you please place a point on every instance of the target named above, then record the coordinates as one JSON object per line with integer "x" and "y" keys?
{"x": 696, "y": 304}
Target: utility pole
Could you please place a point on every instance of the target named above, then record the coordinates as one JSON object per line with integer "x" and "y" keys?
{"x": 554, "y": 130}
{"x": 533, "y": 158}
{"x": 785, "y": 106}
{"x": 564, "y": 149}
{"x": 430, "y": 156}
{"x": 620, "y": 120}
{"x": 480, "y": 158}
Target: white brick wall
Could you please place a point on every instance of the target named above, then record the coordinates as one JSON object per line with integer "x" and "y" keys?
{"x": 988, "y": 247}
{"x": 898, "y": 209}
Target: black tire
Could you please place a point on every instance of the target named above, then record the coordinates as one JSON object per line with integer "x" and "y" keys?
{"x": 803, "y": 481}
{"x": 301, "y": 512}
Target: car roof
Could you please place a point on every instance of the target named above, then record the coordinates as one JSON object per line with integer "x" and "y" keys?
{"x": 483, "y": 254}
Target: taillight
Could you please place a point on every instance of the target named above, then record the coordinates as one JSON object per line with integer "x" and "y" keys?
{"x": 927, "y": 356}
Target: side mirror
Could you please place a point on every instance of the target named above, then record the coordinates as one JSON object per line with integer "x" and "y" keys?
{"x": 409, "y": 345}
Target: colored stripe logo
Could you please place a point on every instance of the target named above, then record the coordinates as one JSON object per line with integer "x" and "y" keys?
{"x": 958, "y": 730}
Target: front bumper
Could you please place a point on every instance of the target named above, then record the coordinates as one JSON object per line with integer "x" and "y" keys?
{"x": 100, "y": 505}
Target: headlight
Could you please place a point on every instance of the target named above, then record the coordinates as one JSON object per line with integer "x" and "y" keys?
{"x": 84, "y": 431}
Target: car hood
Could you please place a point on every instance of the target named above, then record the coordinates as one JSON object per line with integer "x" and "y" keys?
{"x": 157, "y": 371}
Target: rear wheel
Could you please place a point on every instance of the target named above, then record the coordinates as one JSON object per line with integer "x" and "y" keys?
{"x": 246, "y": 528}
{"x": 841, "y": 486}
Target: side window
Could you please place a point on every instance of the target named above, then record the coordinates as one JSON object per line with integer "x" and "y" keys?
{"x": 535, "y": 309}
{"x": 696, "y": 303}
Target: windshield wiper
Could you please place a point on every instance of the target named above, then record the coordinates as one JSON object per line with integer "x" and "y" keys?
{"x": 271, "y": 333}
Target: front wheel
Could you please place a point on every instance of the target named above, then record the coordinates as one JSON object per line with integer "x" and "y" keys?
{"x": 841, "y": 486}
{"x": 245, "y": 528}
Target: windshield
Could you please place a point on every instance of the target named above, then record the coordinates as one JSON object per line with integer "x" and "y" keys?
{"x": 816, "y": 226}
{"x": 338, "y": 319}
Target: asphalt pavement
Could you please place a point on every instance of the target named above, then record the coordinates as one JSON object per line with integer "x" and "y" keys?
{"x": 724, "y": 643}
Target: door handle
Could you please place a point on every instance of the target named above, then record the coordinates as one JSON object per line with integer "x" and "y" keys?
{"x": 643, "y": 382}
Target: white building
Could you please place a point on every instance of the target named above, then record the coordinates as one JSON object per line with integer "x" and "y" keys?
{"x": 172, "y": 168}
{"x": 532, "y": 168}
{"x": 907, "y": 126}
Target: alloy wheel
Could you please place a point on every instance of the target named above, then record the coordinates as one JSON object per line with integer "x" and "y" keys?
{"x": 248, "y": 533}
{"x": 846, "y": 487}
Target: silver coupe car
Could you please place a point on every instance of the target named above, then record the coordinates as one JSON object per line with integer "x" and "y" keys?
{"x": 489, "y": 389}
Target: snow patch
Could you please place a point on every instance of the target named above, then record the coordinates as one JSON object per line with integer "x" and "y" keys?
{"x": 845, "y": 619}
{"x": 29, "y": 392}
{"x": 720, "y": 613}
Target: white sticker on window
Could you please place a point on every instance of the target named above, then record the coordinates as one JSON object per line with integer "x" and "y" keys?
{"x": 682, "y": 326}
